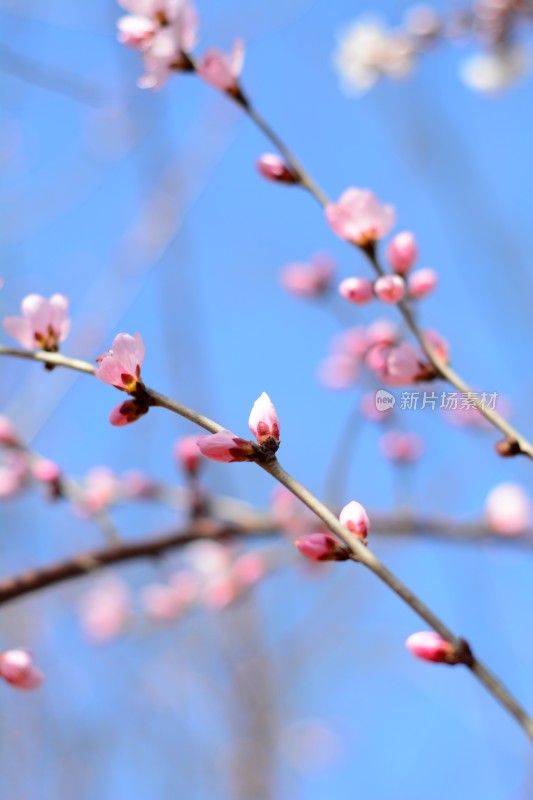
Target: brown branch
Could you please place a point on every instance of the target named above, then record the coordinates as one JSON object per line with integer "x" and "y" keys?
{"x": 34, "y": 580}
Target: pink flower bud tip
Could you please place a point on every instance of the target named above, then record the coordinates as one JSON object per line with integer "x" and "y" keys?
{"x": 127, "y": 412}
{"x": 357, "y": 290}
{"x": 222, "y": 71}
{"x": 429, "y": 646}
{"x": 226, "y": 447}
{"x": 18, "y": 669}
{"x": 358, "y": 217}
{"x": 390, "y": 288}
{"x": 421, "y": 283}
{"x": 187, "y": 454}
{"x": 402, "y": 252}
{"x": 44, "y": 323}
{"x": 354, "y": 517}
{"x": 263, "y": 421}
{"x": 121, "y": 365}
{"x": 274, "y": 168}
{"x": 320, "y": 547}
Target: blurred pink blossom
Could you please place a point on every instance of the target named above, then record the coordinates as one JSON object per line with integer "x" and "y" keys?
{"x": 397, "y": 365}
{"x": 8, "y": 434}
{"x": 44, "y": 323}
{"x": 359, "y": 217}
{"x": 508, "y": 509}
{"x": 105, "y": 610}
{"x": 310, "y": 280}
{"x": 338, "y": 371}
{"x": 401, "y": 447}
{"x": 187, "y": 454}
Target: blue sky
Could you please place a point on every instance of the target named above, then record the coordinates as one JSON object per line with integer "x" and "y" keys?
{"x": 219, "y": 331}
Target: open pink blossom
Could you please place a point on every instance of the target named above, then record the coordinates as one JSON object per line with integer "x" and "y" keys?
{"x": 402, "y": 252}
{"x": 225, "y": 446}
{"x": 421, "y": 283}
{"x": 357, "y": 290}
{"x": 398, "y": 365}
{"x": 18, "y": 669}
{"x": 222, "y": 71}
{"x": 135, "y": 30}
{"x": 121, "y": 365}
{"x": 320, "y": 547}
{"x": 165, "y": 52}
{"x": 100, "y": 490}
{"x": 401, "y": 447}
{"x": 263, "y": 420}
{"x": 274, "y": 168}
{"x": 359, "y": 217}
{"x": 309, "y": 280}
{"x": 508, "y": 509}
{"x": 187, "y": 454}
{"x": 44, "y": 323}
{"x": 429, "y": 646}
{"x": 354, "y": 517}
{"x": 390, "y": 288}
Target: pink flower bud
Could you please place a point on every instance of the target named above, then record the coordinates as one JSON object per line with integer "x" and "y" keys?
{"x": 402, "y": 252}
{"x": 354, "y": 517}
{"x": 358, "y": 217}
{"x": 187, "y": 454}
{"x": 263, "y": 421}
{"x": 18, "y": 669}
{"x": 121, "y": 366}
{"x": 357, "y": 290}
{"x": 226, "y": 447}
{"x": 508, "y": 509}
{"x": 45, "y": 470}
{"x": 390, "y": 288}
{"x": 320, "y": 547}
{"x": 401, "y": 447}
{"x": 44, "y": 323}
{"x": 429, "y": 646}
{"x": 127, "y": 412}
{"x": 222, "y": 71}
{"x": 308, "y": 281}
{"x": 274, "y": 168}
{"x": 421, "y": 283}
